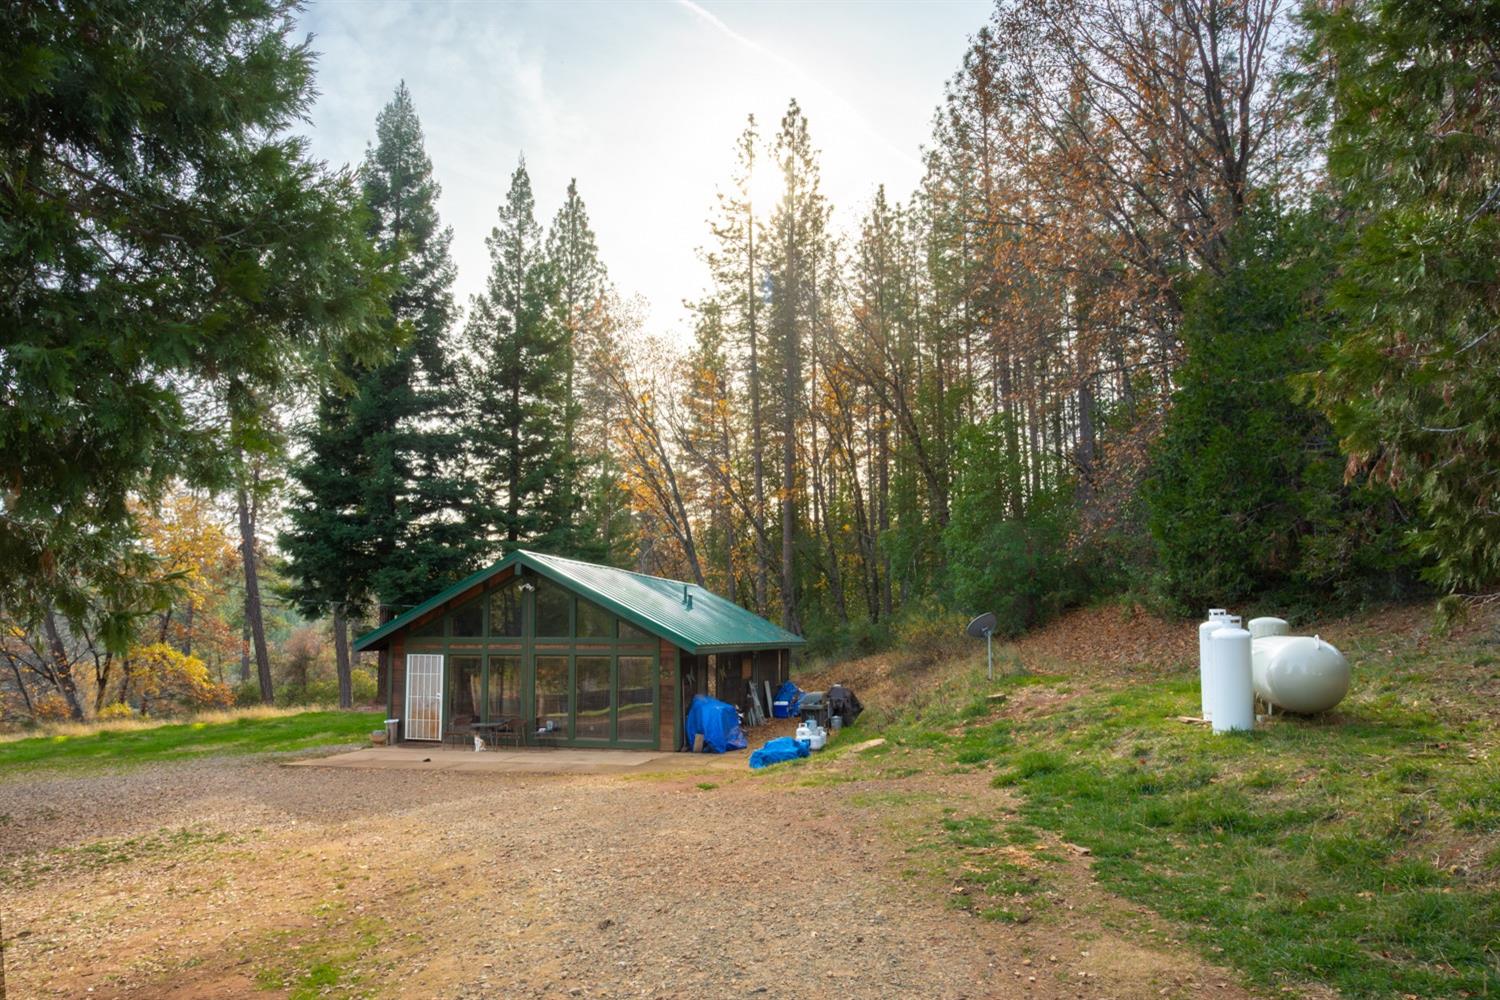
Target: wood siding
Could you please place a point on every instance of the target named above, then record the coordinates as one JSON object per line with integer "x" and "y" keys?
{"x": 669, "y": 714}
{"x": 397, "y": 705}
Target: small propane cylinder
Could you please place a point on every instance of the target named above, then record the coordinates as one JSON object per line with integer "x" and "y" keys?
{"x": 819, "y": 738}
{"x": 804, "y": 733}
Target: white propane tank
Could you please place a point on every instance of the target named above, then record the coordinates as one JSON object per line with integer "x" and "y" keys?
{"x": 1259, "y": 628}
{"x": 1216, "y": 618}
{"x": 1231, "y": 699}
{"x": 804, "y": 733}
{"x": 1299, "y": 673}
{"x": 819, "y": 738}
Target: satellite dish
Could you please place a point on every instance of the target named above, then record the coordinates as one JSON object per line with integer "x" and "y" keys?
{"x": 981, "y": 627}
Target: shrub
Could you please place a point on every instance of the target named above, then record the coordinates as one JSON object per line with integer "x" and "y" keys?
{"x": 116, "y": 710}
{"x": 927, "y": 633}
{"x": 50, "y": 707}
{"x": 1246, "y": 495}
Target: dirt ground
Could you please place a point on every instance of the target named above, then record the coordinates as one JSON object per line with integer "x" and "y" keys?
{"x": 225, "y": 878}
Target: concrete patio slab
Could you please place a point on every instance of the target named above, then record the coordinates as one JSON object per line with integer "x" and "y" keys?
{"x": 529, "y": 760}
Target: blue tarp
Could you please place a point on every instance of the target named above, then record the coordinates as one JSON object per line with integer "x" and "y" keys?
{"x": 780, "y": 749}
{"x": 718, "y": 722}
{"x": 791, "y": 694}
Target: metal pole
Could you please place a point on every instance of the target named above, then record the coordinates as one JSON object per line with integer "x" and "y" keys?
{"x": 989, "y": 653}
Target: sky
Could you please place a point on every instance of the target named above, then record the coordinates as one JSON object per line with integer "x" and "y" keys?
{"x": 641, "y": 102}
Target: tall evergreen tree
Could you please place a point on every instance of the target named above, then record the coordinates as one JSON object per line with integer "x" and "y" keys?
{"x": 1414, "y": 151}
{"x": 798, "y": 243}
{"x": 382, "y": 506}
{"x": 587, "y": 499}
{"x": 517, "y": 385}
{"x": 171, "y": 258}
{"x": 738, "y": 267}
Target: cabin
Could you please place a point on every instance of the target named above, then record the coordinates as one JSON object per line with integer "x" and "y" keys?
{"x": 542, "y": 650}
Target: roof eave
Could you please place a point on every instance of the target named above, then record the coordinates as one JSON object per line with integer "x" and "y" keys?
{"x": 744, "y": 647}
{"x": 374, "y": 639}
{"x": 378, "y": 638}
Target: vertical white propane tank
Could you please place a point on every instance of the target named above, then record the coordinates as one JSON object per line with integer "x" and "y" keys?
{"x": 1231, "y": 698}
{"x": 1216, "y": 618}
{"x": 1259, "y": 628}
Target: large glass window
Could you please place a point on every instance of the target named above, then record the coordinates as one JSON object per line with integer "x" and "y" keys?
{"x": 630, "y": 633}
{"x": 465, "y": 695}
{"x": 505, "y": 610}
{"x": 505, "y": 688}
{"x": 552, "y": 695}
{"x": 553, "y": 605}
{"x": 432, "y": 628}
{"x": 469, "y": 619}
{"x": 593, "y": 698}
{"x": 593, "y": 621}
{"x": 637, "y": 696}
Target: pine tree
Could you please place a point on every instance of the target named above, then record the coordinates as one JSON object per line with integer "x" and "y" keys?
{"x": 798, "y": 242}
{"x": 738, "y": 267}
{"x": 517, "y": 385}
{"x": 382, "y": 505}
{"x": 583, "y": 314}
{"x": 328, "y": 568}
{"x": 1412, "y": 382}
{"x": 170, "y": 254}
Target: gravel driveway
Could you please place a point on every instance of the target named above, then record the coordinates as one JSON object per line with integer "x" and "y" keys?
{"x": 224, "y": 877}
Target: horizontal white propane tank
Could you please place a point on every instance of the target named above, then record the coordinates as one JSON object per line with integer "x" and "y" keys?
{"x": 1231, "y": 700}
{"x": 1259, "y": 628}
{"x": 1298, "y": 673}
{"x": 1215, "y": 619}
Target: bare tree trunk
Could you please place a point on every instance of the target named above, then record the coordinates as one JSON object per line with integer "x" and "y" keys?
{"x": 245, "y": 646}
{"x": 62, "y": 668}
{"x": 15, "y": 668}
{"x": 757, "y": 440}
{"x": 341, "y": 657}
{"x": 253, "y": 620}
{"x": 187, "y": 629}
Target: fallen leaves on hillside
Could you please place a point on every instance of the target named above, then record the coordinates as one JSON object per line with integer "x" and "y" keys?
{"x": 1107, "y": 636}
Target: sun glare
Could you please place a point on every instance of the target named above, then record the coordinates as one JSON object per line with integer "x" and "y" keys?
{"x": 766, "y": 187}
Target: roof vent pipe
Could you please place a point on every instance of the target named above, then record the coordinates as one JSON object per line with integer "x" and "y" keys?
{"x": 687, "y": 598}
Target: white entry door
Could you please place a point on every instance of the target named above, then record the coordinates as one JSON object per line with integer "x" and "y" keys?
{"x": 424, "y": 696}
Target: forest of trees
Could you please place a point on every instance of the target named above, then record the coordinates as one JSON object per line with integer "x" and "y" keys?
{"x": 1195, "y": 302}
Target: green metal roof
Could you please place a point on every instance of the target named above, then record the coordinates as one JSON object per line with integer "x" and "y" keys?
{"x": 685, "y": 614}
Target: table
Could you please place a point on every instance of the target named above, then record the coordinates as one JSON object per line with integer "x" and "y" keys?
{"x": 497, "y": 728}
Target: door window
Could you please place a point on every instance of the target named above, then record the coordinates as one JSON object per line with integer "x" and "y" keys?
{"x": 636, "y": 698}
{"x": 552, "y": 693}
{"x": 504, "y": 688}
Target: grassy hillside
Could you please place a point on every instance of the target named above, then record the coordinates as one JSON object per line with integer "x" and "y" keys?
{"x": 1360, "y": 850}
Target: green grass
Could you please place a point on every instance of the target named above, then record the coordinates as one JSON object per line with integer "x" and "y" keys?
{"x": 1358, "y": 851}
{"x": 115, "y": 852}
{"x": 186, "y": 740}
{"x": 321, "y": 961}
